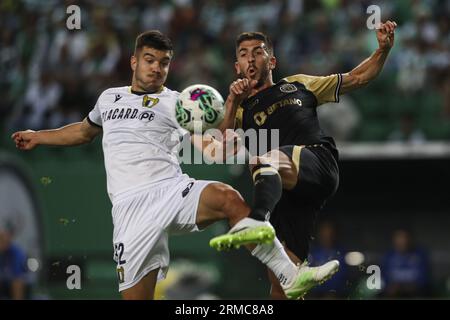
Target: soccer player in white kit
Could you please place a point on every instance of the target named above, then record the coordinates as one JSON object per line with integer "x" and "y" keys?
{"x": 151, "y": 197}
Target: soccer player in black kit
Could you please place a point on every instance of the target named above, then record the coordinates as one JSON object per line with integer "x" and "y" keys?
{"x": 293, "y": 182}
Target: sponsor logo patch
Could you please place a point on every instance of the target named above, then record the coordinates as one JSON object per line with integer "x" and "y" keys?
{"x": 188, "y": 188}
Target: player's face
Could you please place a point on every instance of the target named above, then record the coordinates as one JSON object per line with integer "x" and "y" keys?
{"x": 150, "y": 67}
{"x": 254, "y": 61}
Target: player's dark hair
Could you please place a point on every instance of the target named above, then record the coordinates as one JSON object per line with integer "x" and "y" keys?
{"x": 153, "y": 39}
{"x": 245, "y": 36}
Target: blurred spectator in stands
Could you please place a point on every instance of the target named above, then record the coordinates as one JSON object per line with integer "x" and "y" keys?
{"x": 124, "y": 12}
{"x": 72, "y": 105}
{"x": 40, "y": 99}
{"x": 446, "y": 94}
{"x": 200, "y": 65}
{"x": 13, "y": 268}
{"x": 326, "y": 249}
{"x": 311, "y": 37}
{"x": 213, "y": 17}
{"x": 407, "y": 131}
{"x": 158, "y": 14}
{"x": 184, "y": 25}
{"x": 340, "y": 120}
{"x": 67, "y": 47}
{"x": 405, "y": 268}
{"x": 412, "y": 73}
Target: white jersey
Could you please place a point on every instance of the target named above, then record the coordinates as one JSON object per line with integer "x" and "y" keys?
{"x": 141, "y": 137}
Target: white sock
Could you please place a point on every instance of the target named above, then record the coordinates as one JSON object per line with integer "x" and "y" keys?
{"x": 277, "y": 260}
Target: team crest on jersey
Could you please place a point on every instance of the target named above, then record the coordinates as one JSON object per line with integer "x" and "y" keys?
{"x": 288, "y": 88}
{"x": 149, "y": 102}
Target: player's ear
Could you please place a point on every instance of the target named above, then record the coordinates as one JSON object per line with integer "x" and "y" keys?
{"x": 272, "y": 62}
{"x": 238, "y": 69}
{"x": 133, "y": 63}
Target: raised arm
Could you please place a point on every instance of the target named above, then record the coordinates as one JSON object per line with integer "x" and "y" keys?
{"x": 70, "y": 135}
{"x": 372, "y": 66}
{"x": 239, "y": 90}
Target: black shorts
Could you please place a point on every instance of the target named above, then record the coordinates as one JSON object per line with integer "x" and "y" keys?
{"x": 294, "y": 216}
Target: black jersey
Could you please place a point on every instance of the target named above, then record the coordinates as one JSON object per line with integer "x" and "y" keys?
{"x": 290, "y": 106}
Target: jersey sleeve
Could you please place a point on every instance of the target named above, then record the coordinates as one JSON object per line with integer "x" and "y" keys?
{"x": 325, "y": 89}
{"x": 94, "y": 117}
{"x": 238, "y": 119}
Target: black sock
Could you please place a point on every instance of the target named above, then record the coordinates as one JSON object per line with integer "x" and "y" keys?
{"x": 267, "y": 192}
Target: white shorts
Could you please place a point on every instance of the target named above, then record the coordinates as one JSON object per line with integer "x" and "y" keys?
{"x": 142, "y": 221}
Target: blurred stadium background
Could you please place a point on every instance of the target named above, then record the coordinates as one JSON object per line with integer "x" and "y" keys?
{"x": 392, "y": 208}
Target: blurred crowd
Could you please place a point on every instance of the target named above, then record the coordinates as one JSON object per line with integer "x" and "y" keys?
{"x": 14, "y": 280}
{"x": 50, "y": 76}
{"x": 405, "y": 268}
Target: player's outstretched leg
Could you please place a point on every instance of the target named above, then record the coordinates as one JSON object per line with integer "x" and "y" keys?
{"x": 246, "y": 231}
{"x": 144, "y": 289}
{"x": 309, "y": 277}
{"x": 219, "y": 201}
{"x": 256, "y": 228}
{"x": 305, "y": 279}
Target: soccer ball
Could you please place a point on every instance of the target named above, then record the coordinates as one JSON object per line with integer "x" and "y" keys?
{"x": 199, "y": 106}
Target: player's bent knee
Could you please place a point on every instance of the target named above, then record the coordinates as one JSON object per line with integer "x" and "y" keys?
{"x": 233, "y": 203}
{"x": 257, "y": 160}
{"x": 220, "y": 201}
{"x": 271, "y": 158}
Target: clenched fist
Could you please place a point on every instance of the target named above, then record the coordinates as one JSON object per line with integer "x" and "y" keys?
{"x": 241, "y": 89}
{"x": 385, "y": 34}
{"x": 25, "y": 140}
